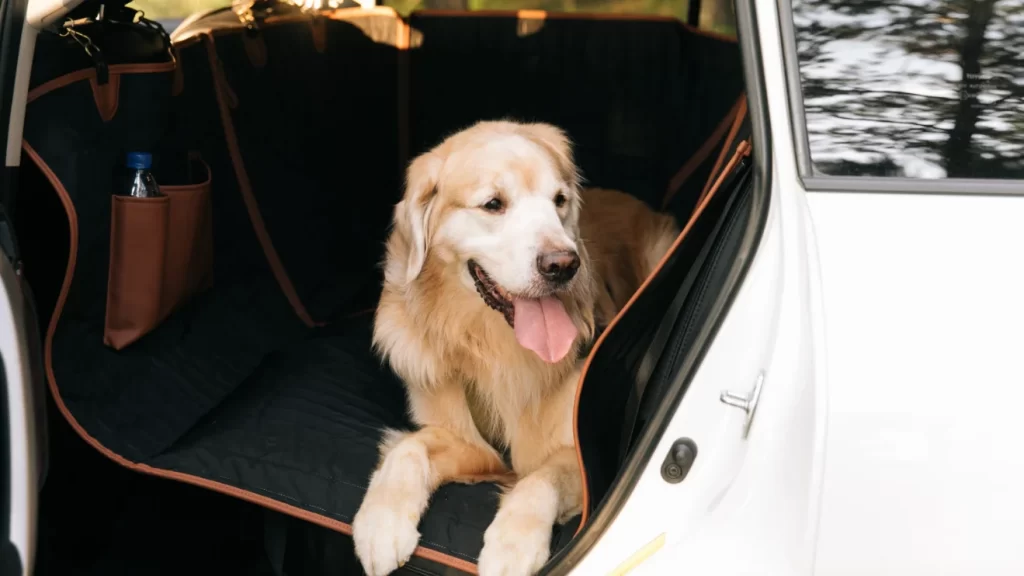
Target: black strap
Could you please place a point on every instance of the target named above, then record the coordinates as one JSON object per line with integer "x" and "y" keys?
{"x": 662, "y": 334}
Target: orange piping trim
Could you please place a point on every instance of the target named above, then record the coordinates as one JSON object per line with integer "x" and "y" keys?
{"x": 90, "y": 73}
{"x": 698, "y": 158}
{"x": 740, "y": 152}
{"x": 737, "y": 122}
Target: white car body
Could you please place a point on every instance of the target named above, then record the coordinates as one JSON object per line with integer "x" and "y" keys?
{"x": 889, "y": 332}
{"x": 890, "y": 328}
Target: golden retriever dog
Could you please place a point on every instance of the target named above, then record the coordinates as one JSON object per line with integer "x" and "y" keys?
{"x": 499, "y": 268}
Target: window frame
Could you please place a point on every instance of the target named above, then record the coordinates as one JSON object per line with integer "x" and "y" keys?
{"x": 871, "y": 184}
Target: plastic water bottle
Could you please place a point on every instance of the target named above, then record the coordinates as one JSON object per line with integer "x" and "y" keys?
{"x": 141, "y": 181}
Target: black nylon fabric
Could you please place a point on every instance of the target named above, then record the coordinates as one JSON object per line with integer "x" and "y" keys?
{"x": 200, "y": 353}
{"x": 122, "y": 43}
{"x": 195, "y": 124}
{"x": 233, "y": 387}
{"x": 736, "y": 187}
{"x": 637, "y": 97}
{"x": 319, "y": 138}
{"x": 615, "y": 370}
{"x": 304, "y": 429}
{"x": 685, "y": 199}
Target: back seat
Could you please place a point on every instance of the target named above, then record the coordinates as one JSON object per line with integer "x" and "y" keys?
{"x": 263, "y": 385}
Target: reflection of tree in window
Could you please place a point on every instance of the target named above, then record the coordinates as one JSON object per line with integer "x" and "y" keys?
{"x": 918, "y": 88}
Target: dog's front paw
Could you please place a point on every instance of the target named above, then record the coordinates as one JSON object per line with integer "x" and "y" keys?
{"x": 385, "y": 537}
{"x": 515, "y": 544}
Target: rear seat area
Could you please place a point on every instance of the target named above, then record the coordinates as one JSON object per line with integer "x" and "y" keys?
{"x": 260, "y": 383}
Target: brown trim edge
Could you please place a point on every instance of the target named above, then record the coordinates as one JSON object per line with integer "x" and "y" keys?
{"x": 741, "y": 115}
{"x": 178, "y": 188}
{"x": 106, "y": 96}
{"x": 698, "y": 158}
{"x": 741, "y": 151}
{"x": 245, "y": 187}
{"x": 255, "y": 50}
{"x": 318, "y": 33}
{"x": 90, "y": 73}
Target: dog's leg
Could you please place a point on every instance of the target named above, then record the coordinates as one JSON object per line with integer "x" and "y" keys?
{"x": 518, "y": 541}
{"x": 413, "y": 465}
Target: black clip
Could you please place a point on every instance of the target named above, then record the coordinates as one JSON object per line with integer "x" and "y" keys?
{"x": 247, "y": 15}
{"x": 91, "y": 49}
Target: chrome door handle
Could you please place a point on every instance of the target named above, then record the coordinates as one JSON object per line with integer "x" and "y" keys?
{"x": 746, "y": 403}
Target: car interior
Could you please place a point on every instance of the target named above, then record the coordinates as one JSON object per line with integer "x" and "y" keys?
{"x": 215, "y": 404}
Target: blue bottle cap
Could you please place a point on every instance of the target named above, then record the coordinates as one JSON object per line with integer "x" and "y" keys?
{"x": 140, "y": 160}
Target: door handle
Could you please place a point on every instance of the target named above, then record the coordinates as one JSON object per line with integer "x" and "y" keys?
{"x": 746, "y": 403}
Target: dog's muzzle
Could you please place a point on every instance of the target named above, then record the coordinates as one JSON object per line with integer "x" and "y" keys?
{"x": 493, "y": 295}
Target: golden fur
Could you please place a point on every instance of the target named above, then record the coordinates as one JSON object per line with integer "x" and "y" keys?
{"x": 472, "y": 388}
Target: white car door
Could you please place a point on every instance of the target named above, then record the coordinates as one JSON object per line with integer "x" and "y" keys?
{"x": 22, "y": 400}
{"x": 908, "y": 119}
{"x": 749, "y": 504}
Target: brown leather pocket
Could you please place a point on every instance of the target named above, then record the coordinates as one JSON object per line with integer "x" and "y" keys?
{"x": 161, "y": 254}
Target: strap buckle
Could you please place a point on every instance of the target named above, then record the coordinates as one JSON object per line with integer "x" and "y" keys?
{"x": 251, "y": 13}
{"x": 92, "y": 50}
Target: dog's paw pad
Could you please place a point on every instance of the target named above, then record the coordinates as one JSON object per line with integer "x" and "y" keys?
{"x": 385, "y": 538}
{"x": 515, "y": 545}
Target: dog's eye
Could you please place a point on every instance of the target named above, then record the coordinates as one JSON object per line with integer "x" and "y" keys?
{"x": 494, "y": 205}
{"x": 560, "y": 200}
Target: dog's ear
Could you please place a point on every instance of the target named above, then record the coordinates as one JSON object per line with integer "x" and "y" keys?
{"x": 412, "y": 214}
{"x": 557, "y": 144}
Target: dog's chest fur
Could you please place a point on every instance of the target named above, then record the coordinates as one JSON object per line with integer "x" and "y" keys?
{"x": 504, "y": 382}
{"x": 440, "y": 333}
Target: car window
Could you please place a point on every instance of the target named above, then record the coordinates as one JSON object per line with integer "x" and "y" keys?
{"x": 924, "y": 89}
{"x": 715, "y": 15}
{"x": 170, "y": 13}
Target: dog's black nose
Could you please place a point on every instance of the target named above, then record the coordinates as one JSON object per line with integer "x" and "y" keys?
{"x": 559, "y": 266}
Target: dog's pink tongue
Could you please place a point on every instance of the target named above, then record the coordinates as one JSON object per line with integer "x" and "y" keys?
{"x": 543, "y": 325}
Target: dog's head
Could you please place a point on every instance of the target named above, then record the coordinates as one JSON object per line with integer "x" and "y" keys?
{"x": 499, "y": 204}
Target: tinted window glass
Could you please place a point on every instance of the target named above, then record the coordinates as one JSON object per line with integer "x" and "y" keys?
{"x": 170, "y": 13}
{"x": 913, "y": 88}
{"x": 715, "y": 15}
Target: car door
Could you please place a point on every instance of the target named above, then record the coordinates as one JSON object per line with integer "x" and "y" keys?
{"x": 756, "y": 404}
{"x": 907, "y": 120}
{"x": 22, "y": 401}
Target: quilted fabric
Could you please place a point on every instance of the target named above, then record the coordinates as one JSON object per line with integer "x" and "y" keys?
{"x": 233, "y": 388}
{"x": 304, "y": 428}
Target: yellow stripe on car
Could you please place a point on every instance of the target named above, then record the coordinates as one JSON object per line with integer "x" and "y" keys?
{"x": 639, "y": 556}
